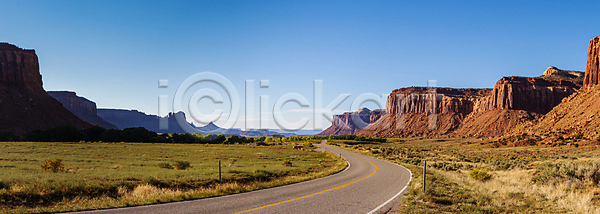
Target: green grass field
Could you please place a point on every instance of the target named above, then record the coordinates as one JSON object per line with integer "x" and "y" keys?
{"x": 99, "y": 175}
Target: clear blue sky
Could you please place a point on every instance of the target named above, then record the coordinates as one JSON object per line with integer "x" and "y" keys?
{"x": 114, "y": 52}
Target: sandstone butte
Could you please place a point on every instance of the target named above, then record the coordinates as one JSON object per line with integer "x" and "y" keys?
{"x": 352, "y": 122}
{"x": 449, "y": 112}
{"x": 24, "y": 105}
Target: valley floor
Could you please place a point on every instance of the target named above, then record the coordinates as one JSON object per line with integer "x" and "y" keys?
{"x": 104, "y": 175}
{"x": 470, "y": 176}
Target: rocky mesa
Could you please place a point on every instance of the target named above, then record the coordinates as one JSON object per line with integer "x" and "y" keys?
{"x": 24, "y": 105}
{"x": 123, "y": 118}
{"x": 450, "y": 112}
{"x": 352, "y": 122}
{"x": 82, "y": 107}
{"x": 537, "y": 95}
{"x": 423, "y": 111}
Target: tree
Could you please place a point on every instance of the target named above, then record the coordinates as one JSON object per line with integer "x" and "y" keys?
{"x": 93, "y": 134}
{"x": 8, "y": 136}
{"x": 63, "y": 134}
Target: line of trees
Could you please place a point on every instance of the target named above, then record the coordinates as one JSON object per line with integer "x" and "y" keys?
{"x": 140, "y": 134}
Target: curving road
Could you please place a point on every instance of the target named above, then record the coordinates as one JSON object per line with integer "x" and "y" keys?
{"x": 368, "y": 185}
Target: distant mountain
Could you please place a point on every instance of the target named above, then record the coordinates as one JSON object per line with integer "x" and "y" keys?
{"x": 211, "y": 128}
{"x": 123, "y": 119}
{"x": 132, "y": 118}
{"x": 82, "y": 107}
{"x": 301, "y": 132}
{"x": 24, "y": 105}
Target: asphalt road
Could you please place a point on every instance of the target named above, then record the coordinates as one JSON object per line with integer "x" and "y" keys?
{"x": 368, "y": 185}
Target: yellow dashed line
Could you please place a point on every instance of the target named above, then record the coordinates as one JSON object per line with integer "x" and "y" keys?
{"x": 316, "y": 193}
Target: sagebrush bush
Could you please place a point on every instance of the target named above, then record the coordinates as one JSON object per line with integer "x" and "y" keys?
{"x": 584, "y": 172}
{"x": 287, "y": 163}
{"x": 55, "y": 165}
{"x": 479, "y": 174}
{"x": 447, "y": 166}
{"x": 181, "y": 165}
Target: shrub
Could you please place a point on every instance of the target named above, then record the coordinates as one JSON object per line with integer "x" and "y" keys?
{"x": 287, "y": 163}
{"x": 532, "y": 142}
{"x": 479, "y": 174}
{"x": 165, "y": 165}
{"x": 356, "y": 147}
{"x": 181, "y": 165}
{"x": 308, "y": 144}
{"x": 4, "y": 185}
{"x": 55, "y": 165}
{"x": 447, "y": 166}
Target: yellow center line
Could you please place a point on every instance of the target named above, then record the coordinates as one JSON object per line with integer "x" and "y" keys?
{"x": 316, "y": 193}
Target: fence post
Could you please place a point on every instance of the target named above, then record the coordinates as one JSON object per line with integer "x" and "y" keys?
{"x": 219, "y": 171}
{"x": 424, "y": 173}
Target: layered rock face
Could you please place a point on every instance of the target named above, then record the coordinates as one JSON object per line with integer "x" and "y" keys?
{"x": 82, "y": 107}
{"x": 419, "y": 111}
{"x": 423, "y": 100}
{"x": 592, "y": 77}
{"x": 352, "y": 122}
{"x": 24, "y": 105}
{"x": 447, "y": 112}
{"x": 527, "y": 93}
{"x": 577, "y": 115}
{"x": 554, "y": 71}
{"x": 19, "y": 68}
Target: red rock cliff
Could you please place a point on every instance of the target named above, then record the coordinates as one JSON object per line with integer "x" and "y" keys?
{"x": 19, "y": 68}
{"x": 422, "y": 100}
{"x": 24, "y": 105}
{"x": 593, "y": 63}
{"x": 537, "y": 95}
{"x": 420, "y": 111}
